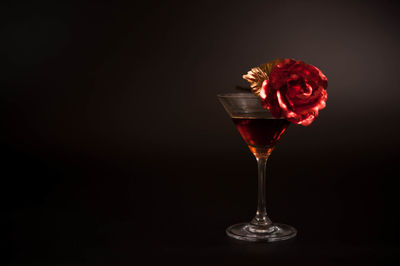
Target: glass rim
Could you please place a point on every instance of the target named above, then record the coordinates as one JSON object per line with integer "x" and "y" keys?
{"x": 234, "y": 96}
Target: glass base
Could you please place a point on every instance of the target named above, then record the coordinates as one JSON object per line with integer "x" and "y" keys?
{"x": 270, "y": 233}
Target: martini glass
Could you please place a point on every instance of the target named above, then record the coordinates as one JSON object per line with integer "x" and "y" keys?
{"x": 261, "y": 131}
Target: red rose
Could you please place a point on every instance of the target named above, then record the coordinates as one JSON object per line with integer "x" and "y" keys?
{"x": 295, "y": 91}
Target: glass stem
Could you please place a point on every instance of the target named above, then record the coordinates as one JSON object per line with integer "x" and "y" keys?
{"x": 261, "y": 218}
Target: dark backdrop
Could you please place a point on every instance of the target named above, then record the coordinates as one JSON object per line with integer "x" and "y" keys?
{"x": 115, "y": 149}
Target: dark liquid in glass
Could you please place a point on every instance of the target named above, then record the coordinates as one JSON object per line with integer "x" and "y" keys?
{"x": 261, "y": 134}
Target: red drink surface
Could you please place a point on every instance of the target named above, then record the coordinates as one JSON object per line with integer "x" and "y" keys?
{"x": 261, "y": 134}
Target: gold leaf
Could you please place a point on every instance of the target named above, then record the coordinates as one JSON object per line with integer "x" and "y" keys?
{"x": 257, "y": 75}
{"x": 270, "y": 65}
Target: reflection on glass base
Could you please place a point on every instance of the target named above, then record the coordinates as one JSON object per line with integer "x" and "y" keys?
{"x": 274, "y": 232}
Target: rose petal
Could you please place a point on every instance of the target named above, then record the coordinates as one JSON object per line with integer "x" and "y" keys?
{"x": 307, "y": 121}
{"x": 263, "y": 91}
{"x": 288, "y": 113}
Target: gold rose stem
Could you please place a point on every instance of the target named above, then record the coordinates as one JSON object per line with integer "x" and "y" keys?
{"x": 261, "y": 223}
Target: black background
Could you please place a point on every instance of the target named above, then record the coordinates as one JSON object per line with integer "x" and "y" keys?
{"x": 115, "y": 149}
